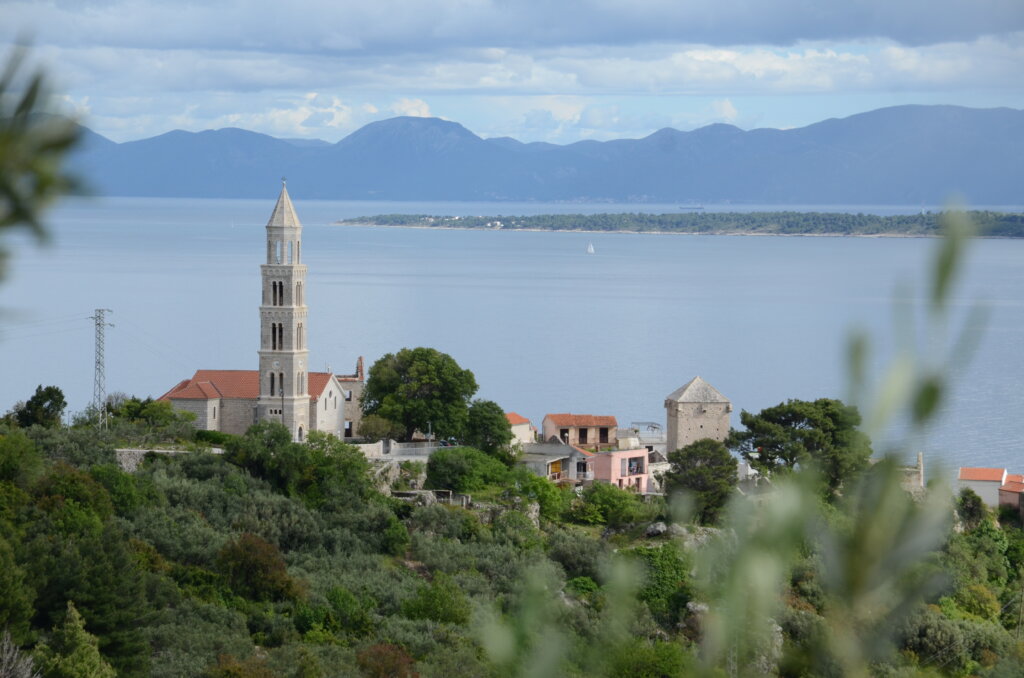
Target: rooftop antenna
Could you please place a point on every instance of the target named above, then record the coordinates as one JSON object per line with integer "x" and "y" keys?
{"x": 99, "y": 384}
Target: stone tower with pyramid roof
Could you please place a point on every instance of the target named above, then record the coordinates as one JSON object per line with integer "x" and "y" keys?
{"x": 693, "y": 412}
{"x": 284, "y": 358}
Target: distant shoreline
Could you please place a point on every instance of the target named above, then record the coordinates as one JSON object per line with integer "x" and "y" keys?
{"x": 802, "y": 224}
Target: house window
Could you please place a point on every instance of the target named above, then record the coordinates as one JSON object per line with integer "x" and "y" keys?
{"x": 564, "y": 435}
{"x": 581, "y": 467}
{"x": 214, "y": 411}
{"x": 348, "y": 429}
{"x": 348, "y": 396}
{"x": 602, "y": 435}
{"x": 636, "y": 466}
{"x": 583, "y": 436}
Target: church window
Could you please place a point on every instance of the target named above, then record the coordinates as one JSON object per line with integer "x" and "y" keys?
{"x": 298, "y": 294}
{"x": 298, "y": 252}
{"x": 214, "y": 411}
{"x": 300, "y": 433}
{"x": 291, "y": 248}
{"x": 280, "y": 336}
{"x": 280, "y": 378}
{"x": 277, "y": 252}
{"x": 272, "y": 391}
{"x": 298, "y": 337}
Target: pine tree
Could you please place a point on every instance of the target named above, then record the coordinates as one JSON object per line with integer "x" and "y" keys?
{"x": 73, "y": 652}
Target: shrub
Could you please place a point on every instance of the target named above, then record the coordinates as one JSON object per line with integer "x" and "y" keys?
{"x": 614, "y": 506}
{"x": 441, "y": 600}
{"x": 255, "y": 569}
{"x": 464, "y": 469}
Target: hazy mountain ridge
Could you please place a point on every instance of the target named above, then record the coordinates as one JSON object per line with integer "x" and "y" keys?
{"x": 899, "y": 155}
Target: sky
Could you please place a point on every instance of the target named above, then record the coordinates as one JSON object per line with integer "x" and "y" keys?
{"x": 536, "y": 70}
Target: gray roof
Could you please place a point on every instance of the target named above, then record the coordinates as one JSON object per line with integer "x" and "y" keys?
{"x": 697, "y": 391}
{"x": 284, "y": 215}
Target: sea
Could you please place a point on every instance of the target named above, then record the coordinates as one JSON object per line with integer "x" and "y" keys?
{"x": 544, "y": 325}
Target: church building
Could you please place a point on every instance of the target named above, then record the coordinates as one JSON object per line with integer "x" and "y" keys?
{"x": 282, "y": 389}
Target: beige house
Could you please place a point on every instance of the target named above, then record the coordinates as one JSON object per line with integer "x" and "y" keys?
{"x": 586, "y": 430}
{"x": 984, "y": 481}
{"x": 523, "y": 432}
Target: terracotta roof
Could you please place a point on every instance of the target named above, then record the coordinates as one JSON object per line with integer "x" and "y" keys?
{"x": 516, "y": 419}
{"x": 584, "y": 451}
{"x": 1015, "y": 487}
{"x": 987, "y": 474}
{"x": 1015, "y": 477}
{"x": 242, "y": 384}
{"x": 582, "y": 420}
{"x": 697, "y": 391}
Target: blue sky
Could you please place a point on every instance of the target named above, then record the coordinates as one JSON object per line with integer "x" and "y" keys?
{"x": 536, "y": 70}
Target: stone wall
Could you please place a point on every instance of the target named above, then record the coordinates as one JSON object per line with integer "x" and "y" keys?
{"x": 689, "y": 422}
{"x": 238, "y": 415}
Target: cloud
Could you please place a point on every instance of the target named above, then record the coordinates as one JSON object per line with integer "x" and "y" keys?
{"x": 724, "y": 110}
{"x": 417, "y": 108}
{"x": 396, "y": 26}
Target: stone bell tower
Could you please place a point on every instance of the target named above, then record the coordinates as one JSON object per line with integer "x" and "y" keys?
{"x": 284, "y": 359}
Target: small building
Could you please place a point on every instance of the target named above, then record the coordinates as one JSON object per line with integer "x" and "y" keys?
{"x": 587, "y": 430}
{"x": 1010, "y": 492}
{"x": 352, "y": 386}
{"x": 558, "y": 462}
{"x": 623, "y": 468}
{"x": 523, "y": 432}
{"x": 984, "y": 481}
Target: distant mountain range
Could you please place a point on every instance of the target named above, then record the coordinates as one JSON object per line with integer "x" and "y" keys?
{"x": 900, "y": 155}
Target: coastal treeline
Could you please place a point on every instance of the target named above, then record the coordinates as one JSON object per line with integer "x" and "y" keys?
{"x": 990, "y": 224}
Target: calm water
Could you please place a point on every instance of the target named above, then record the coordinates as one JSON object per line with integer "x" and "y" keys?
{"x": 545, "y": 327}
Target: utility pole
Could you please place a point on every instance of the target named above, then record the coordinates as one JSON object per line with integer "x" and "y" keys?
{"x": 99, "y": 384}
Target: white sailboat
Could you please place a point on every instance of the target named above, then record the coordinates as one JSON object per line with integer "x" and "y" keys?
{"x": 590, "y": 248}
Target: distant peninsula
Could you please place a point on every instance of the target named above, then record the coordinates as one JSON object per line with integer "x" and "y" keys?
{"x": 988, "y": 224}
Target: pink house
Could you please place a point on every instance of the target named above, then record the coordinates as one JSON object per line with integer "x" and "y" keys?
{"x": 623, "y": 468}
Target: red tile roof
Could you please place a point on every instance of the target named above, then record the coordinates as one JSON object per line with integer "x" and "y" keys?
{"x": 241, "y": 384}
{"x": 582, "y": 420}
{"x": 1015, "y": 487}
{"x": 516, "y": 419}
{"x": 987, "y": 474}
{"x": 1015, "y": 477}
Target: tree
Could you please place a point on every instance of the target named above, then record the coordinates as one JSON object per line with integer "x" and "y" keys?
{"x": 374, "y": 427}
{"x": 488, "y": 429}
{"x": 255, "y": 569}
{"x": 13, "y": 663}
{"x": 44, "y": 408}
{"x": 73, "y": 652}
{"x": 463, "y": 469}
{"x": 32, "y": 148}
{"x": 822, "y": 433}
{"x": 970, "y": 508}
{"x": 707, "y": 471}
{"x": 421, "y": 389}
